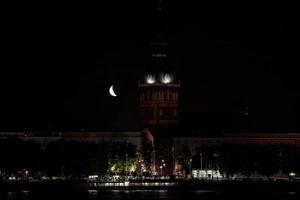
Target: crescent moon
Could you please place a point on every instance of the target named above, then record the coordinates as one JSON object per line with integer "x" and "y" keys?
{"x": 112, "y": 92}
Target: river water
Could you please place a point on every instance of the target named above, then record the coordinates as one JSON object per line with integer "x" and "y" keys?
{"x": 149, "y": 194}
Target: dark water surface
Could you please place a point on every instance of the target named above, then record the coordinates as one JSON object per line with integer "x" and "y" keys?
{"x": 148, "y": 194}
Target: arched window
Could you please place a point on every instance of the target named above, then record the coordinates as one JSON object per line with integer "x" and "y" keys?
{"x": 153, "y": 95}
{"x": 160, "y": 96}
{"x": 176, "y": 96}
{"x": 149, "y": 96}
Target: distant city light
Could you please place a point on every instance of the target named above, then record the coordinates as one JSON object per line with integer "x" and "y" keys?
{"x": 12, "y": 178}
{"x": 159, "y": 55}
{"x": 93, "y": 177}
{"x": 126, "y": 183}
{"x": 150, "y": 79}
{"x": 166, "y": 78}
{"x": 292, "y": 174}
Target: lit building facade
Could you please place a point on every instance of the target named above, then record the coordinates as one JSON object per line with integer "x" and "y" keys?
{"x": 159, "y": 102}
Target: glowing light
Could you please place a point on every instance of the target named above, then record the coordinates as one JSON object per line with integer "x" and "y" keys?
{"x": 132, "y": 168}
{"x": 113, "y": 168}
{"x": 166, "y": 78}
{"x": 292, "y": 174}
{"x": 92, "y": 177}
{"x": 126, "y": 183}
{"x": 150, "y": 79}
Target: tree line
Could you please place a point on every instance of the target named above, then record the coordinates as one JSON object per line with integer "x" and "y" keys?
{"x": 64, "y": 158}
{"x": 246, "y": 160}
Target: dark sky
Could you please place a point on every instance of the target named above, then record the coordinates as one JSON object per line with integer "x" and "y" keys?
{"x": 59, "y": 59}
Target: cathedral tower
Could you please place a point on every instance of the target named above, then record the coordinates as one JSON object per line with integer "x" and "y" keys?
{"x": 159, "y": 86}
{"x": 159, "y": 89}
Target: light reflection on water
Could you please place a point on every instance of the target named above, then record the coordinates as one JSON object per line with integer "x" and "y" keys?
{"x": 151, "y": 194}
{"x": 190, "y": 194}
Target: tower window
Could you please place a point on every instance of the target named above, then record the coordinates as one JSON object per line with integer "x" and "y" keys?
{"x": 149, "y": 96}
{"x": 165, "y": 96}
{"x": 153, "y": 95}
{"x": 160, "y": 95}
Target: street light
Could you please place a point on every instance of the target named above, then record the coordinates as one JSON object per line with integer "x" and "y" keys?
{"x": 160, "y": 170}
{"x": 126, "y": 163}
{"x": 200, "y": 161}
{"x": 291, "y": 175}
{"x": 26, "y": 174}
{"x": 191, "y": 166}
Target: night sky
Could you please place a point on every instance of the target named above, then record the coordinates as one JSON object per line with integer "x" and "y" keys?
{"x": 59, "y": 59}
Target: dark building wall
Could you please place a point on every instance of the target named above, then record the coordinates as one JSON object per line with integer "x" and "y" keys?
{"x": 159, "y": 106}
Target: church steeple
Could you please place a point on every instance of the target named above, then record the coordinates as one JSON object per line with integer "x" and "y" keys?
{"x": 158, "y": 86}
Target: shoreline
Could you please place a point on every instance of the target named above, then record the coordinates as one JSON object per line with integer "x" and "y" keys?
{"x": 81, "y": 186}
